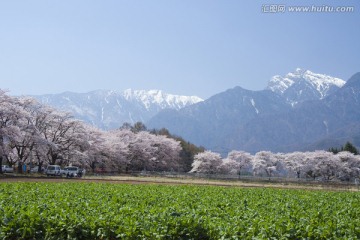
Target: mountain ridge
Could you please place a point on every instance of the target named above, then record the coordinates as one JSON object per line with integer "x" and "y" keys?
{"x": 304, "y": 110}
{"x": 259, "y": 125}
{"x": 109, "y": 109}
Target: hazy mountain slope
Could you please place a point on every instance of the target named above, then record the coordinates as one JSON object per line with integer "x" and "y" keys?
{"x": 338, "y": 138}
{"x": 211, "y": 122}
{"x": 345, "y": 104}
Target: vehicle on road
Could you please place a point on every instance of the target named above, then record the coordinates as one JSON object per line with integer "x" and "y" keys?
{"x": 53, "y": 170}
{"x": 7, "y": 169}
{"x": 72, "y": 171}
{"x": 36, "y": 169}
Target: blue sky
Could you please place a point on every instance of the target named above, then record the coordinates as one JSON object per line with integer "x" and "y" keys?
{"x": 189, "y": 47}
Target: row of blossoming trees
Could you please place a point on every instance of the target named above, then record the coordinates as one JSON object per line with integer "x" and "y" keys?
{"x": 319, "y": 164}
{"x": 36, "y": 134}
{"x": 33, "y": 133}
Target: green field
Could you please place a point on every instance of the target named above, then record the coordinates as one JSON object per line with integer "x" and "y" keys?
{"x": 122, "y": 211}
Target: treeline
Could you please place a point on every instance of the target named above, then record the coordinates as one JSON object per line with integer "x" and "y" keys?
{"x": 36, "y": 134}
{"x": 348, "y": 147}
{"x": 324, "y": 165}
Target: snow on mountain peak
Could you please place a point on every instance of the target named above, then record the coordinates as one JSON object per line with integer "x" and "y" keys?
{"x": 159, "y": 98}
{"x": 321, "y": 83}
{"x": 109, "y": 109}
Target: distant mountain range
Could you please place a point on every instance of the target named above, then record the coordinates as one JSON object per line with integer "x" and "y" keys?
{"x": 299, "y": 111}
{"x": 110, "y": 109}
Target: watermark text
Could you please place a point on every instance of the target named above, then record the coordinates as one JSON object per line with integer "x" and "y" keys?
{"x": 282, "y": 8}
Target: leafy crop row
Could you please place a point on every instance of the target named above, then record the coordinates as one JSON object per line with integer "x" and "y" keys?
{"x": 114, "y": 211}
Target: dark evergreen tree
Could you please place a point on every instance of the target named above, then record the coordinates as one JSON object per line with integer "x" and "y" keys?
{"x": 334, "y": 150}
{"x": 350, "y": 148}
{"x": 126, "y": 125}
{"x": 138, "y": 127}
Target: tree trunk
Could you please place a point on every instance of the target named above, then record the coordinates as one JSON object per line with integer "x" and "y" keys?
{"x": 20, "y": 167}
{"x": 93, "y": 167}
{"x": 1, "y": 151}
{"x": 40, "y": 167}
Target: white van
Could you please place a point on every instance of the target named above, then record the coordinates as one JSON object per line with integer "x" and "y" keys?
{"x": 53, "y": 170}
{"x": 71, "y": 171}
{"x": 7, "y": 169}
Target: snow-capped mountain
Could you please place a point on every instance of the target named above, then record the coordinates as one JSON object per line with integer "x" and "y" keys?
{"x": 110, "y": 109}
{"x": 302, "y": 85}
{"x": 327, "y": 115}
{"x": 159, "y": 98}
{"x": 211, "y": 122}
{"x": 299, "y": 111}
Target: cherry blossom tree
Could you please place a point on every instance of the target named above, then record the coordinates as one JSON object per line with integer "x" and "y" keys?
{"x": 321, "y": 164}
{"x": 229, "y": 166}
{"x": 137, "y": 151}
{"x": 327, "y": 164}
{"x": 40, "y": 116}
{"x": 167, "y": 154}
{"x": 266, "y": 162}
{"x": 116, "y": 149}
{"x": 21, "y": 148}
{"x": 309, "y": 166}
{"x": 241, "y": 160}
{"x": 61, "y": 134}
{"x": 295, "y": 162}
{"x": 154, "y": 152}
{"x": 142, "y": 152}
{"x": 349, "y": 166}
{"x": 11, "y": 117}
{"x": 94, "y": 151}
{"x": 206, "y": 162}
